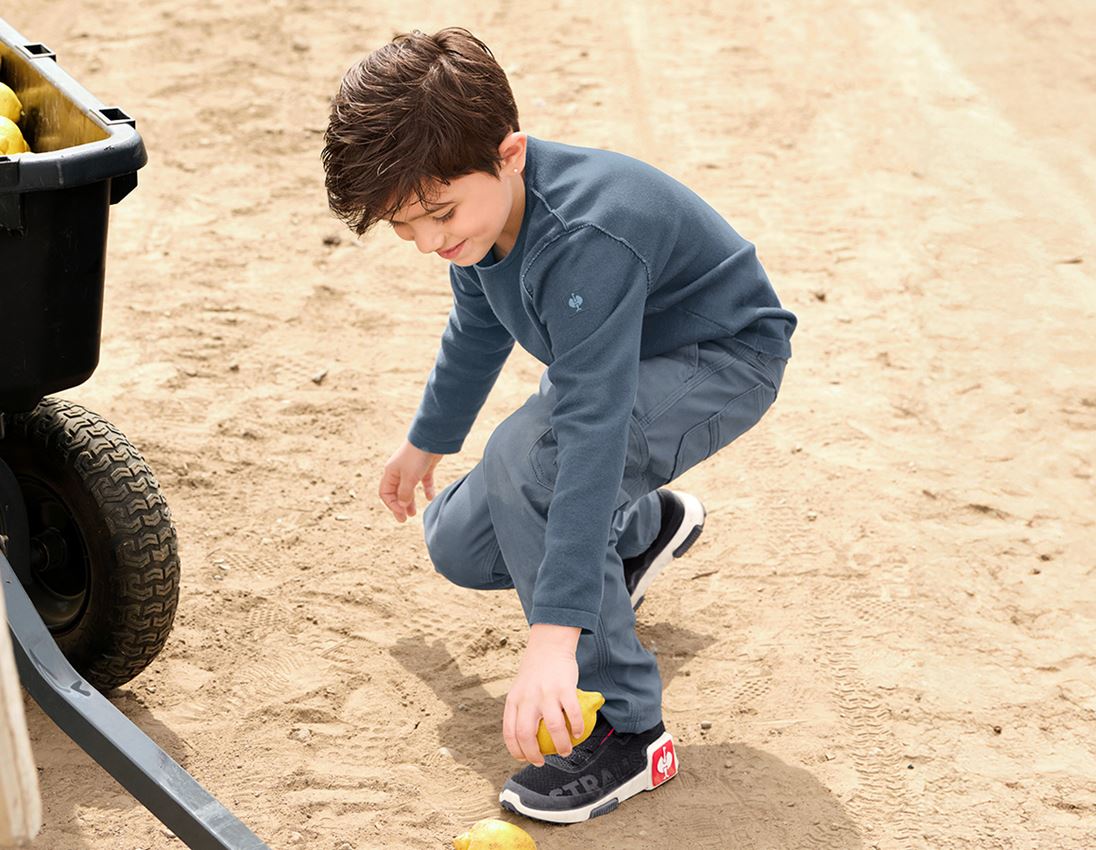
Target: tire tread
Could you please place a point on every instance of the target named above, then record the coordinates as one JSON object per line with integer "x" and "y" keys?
{"x": 145, "y": 579}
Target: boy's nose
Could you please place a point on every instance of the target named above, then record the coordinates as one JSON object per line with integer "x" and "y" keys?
{"x": 428, "y": 243}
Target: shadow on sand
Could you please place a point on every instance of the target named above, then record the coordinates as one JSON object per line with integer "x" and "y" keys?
{"x": 726, "y": 795}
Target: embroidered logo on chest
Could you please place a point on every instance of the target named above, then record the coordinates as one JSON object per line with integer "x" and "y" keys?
{"x": 575, "y": 301}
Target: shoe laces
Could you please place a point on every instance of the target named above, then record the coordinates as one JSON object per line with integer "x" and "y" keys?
{"x": 581, "y": 752}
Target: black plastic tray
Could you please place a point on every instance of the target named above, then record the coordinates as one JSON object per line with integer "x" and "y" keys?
{"x": 54, "y": 208}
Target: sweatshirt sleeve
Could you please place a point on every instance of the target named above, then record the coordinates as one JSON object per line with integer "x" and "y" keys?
{"x": 589, "y": 290}
{"x": 474, "y": 347}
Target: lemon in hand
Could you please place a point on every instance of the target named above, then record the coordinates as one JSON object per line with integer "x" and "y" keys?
{"x": 588, "y": 702}
{"x": 10, "y": 106}
{"x": 11, "y": 140}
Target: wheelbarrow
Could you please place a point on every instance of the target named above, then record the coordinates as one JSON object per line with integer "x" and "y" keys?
{"x": 88, "y": 555}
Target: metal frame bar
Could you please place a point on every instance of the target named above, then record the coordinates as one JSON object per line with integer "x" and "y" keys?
{"x": 112, "y": 739}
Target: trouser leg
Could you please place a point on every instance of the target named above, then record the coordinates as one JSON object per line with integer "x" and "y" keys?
{"x": 610, "y": 659}
{"x": 637, "y": 525}
{"x": 461, "y": 538}
{"x": 461, "y": 541}
{"x": 467, "y": 548}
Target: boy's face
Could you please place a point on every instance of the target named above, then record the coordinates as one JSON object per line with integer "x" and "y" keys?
{"x": 472, "y": 213}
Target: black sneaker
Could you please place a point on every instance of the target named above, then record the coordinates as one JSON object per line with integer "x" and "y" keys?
{"x": 599, "y": 774}
{"x": 682, "y": 521}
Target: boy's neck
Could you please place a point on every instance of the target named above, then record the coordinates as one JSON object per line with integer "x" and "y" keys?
{"x": 512, "y": 229}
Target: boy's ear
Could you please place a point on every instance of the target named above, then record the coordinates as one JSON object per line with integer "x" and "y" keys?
{"x": 512, "y": 151}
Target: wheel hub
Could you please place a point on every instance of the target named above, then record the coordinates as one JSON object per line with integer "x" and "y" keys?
{"x": 58, "y": 558}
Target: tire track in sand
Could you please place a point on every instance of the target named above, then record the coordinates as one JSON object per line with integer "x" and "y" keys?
{"x": 882, "y": 804}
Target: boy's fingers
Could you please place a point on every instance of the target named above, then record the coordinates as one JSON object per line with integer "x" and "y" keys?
{"x": 557, "y": 728}
{"x": 508, "y": 733}
{"x": 527, "y": 735}
{"x": 406, "y": 495}
{"x": 574, "y": 716}
{"x": 387, "y": 487}
{"x": 397, "y": 510}
{"x": 387, "y": 493}
{"x": 391, "y": 502}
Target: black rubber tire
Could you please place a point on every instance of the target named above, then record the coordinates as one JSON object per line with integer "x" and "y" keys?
{"x": 117, "y": 542}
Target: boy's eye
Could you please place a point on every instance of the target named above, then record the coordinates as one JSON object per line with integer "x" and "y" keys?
{"x": 443, "y": 218}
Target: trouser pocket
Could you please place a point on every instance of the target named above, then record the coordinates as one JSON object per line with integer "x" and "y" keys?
{"x": 543, "y": 458}
{"x": 770, "y": 367}
{"x": 732, "y": 388}
{"x": 731, "y": 421}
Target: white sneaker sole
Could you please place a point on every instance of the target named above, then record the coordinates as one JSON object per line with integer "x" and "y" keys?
{"x": 689, "y": 531}
{"x": 662, "y": 765}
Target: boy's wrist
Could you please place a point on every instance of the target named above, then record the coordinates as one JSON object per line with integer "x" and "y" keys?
{"x": 549, "y": 634}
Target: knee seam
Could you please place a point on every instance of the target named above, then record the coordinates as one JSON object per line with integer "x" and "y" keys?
{"x": 489, "y": 562}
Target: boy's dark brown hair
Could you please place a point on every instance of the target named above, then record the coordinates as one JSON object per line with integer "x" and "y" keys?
{"x": 419, "y": 110}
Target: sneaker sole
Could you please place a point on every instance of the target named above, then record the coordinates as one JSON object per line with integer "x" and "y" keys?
{"x": 662, "y": 765}
{"x": 691, "y": 526}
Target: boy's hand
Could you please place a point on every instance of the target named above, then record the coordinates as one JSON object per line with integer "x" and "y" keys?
{"x": 545, "y": 686}
{"x": 404, "y": 470}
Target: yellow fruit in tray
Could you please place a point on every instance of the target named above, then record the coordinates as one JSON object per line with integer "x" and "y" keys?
{"x": 494, "y": 834}
{"x": 589, "y": 702}
{"x": 10, "y": 107}
{"x": 11, "y": 140}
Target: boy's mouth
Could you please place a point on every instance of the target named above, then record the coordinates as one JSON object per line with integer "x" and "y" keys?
{"x": 452, "y": 252}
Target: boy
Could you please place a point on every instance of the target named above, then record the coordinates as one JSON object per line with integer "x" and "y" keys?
{"x": 663, "y": 342}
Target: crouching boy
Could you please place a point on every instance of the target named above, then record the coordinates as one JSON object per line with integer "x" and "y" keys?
{"x": 662, "y": 339}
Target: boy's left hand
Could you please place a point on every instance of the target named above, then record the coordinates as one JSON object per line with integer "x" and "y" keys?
{"x": 545, "y": 686}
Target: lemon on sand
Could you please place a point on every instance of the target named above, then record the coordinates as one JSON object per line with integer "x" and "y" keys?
{"x": 588, "y": 702}
{"x": 494, "y": 834}
{"x": 10, "y": 107}
{"x": 11, "y": 140}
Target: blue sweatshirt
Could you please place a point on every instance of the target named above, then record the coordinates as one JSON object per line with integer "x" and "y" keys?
{"x": 615, "y": 262}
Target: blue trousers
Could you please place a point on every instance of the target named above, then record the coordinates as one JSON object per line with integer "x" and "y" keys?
{"x": 486, "y": 529}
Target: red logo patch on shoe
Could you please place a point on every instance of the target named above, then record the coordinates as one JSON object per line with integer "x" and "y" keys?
{"x": 663, "y": 764}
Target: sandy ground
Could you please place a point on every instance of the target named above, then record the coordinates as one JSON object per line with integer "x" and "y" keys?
{"x": 890, "y": 619}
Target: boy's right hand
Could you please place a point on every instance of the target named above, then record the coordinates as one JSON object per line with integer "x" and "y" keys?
{"x": 404, "y": 470}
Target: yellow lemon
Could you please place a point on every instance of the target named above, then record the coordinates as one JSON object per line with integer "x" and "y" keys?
{"x": 11, "y": 140}
{"x": 494, "y": 834}
{"x": 589, "y": 702}
{"x": 10, "y": 107}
